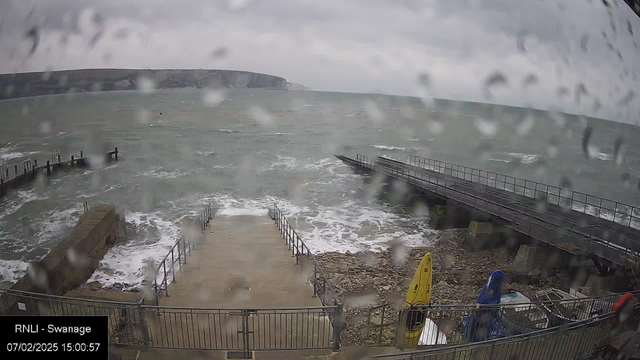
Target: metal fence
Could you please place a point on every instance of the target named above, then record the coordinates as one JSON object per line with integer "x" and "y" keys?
{"x": 550, "y": 229}
{"x": 191, "y": 328}
{"x": 574, "y": 341}
{"x": 322, "y": 287}
{"x": 165, "y": 272}
{"x": 611, "y": 210}
{"x": 459, "y": 324}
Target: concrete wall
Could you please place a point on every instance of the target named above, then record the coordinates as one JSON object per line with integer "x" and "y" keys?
{"x": 70, "y": 263}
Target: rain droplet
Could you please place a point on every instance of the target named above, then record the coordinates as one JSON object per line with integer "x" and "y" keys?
{"x": 121, "y": 34}
{"x": 521, "y": 37}
{"x": 626, "y": 179}
{"x": 237, "y": 5}
{"x": 220, "y": 52}
{"x": 212, "y": 97}
{"x": 562, "y": 91}
{"x": 46, "y": 75}
{"x": 95, "y": 87}
{"x": 566, "y": 183}
{"x": 96, "y": 38}
{"x": 627, "y": 98}
{"x": 45, "y": 127}
{"x": 39, "y": 275}
{"x": 618, "y": 150}
{"x": 374, "y": 112}
{"x": 525, "y": 126}
{"x": 629, "y": 28}
{"x": 34, "y": 35}
{"x": 558, "y": 118}
{"x": 435, "y": 127}
{"x": 496, "y": 79}
{"x": 399, "y": 253}
{"x": 424, "y": 80}
{"x": 260, "y": 115}
{"x": 584, "y": 41}
{"x": 487, "y": 128}
{"x": 146, "y": 85}
{"x": 106, "y": 57}
{"x": 63, "y": 79}
{"x": 586, "y": 137}
{"x": 77, "y": 260}
{"x": 581, "y": 89}
{"x": 143, "y": 115}
{"x": 529, "y": 80}
{"x": 360, "y": 301}
{"x": 25, "y": 110}
{"x": 448, "y": 261}
{"x": 596, "y": 106}
{"x": 552, "y": 148}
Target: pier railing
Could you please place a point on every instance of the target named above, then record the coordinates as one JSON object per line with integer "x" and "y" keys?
{"x": 618, "y": 212}
{"x": 322, "y": 287}
{"x": 523, "y": 219}
{"x": 165, "y": 272}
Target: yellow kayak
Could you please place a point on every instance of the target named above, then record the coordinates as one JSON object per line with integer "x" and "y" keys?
{"x": 419, "y": 293}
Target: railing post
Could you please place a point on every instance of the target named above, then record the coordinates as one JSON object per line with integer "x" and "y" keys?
{"x": 184, "y": 249}
{"x": 173, "y": 266}
{"x": 166, "y": 286}
{"x": 297, "y": 250}
{"x": 143, "y": 327}
{"x": 337, "y": 327}
{"x": 315, "y": 279}
{"x": 155, "y": 283}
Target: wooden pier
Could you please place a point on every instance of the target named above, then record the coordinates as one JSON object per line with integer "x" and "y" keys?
{"x": 15, "y": 175}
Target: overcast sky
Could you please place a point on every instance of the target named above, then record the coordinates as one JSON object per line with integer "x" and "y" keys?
{"x": 552, "y": 54}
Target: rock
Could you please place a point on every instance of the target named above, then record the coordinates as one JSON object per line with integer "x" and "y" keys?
{"x": 376, "y": 320}
{"x": 534, "y": 272}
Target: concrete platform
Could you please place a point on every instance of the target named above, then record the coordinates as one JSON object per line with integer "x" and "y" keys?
{"x": 241, "y": 262}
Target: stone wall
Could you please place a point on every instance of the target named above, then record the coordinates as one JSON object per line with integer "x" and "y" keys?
{"x": 72, "y": 261}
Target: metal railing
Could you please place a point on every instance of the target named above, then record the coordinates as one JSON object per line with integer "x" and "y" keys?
{"x": 191, "y": 328}
{"x": 523, "y": 220}
{"x": 459, "y": 324}
{"x": 620, "y": 213}
{"x": 165, "y": 272}
{"x": 322, "y": 287}
{"x": 574, "y": 341}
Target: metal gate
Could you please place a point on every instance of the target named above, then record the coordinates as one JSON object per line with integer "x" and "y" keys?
{"x": 241, "y": 331}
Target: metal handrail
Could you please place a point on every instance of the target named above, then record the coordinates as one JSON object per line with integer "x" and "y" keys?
{"x": 547, "y": 192}
{"x": 298, "y": 246}
{"x": 183, "y": 250}
{"x": 439, "y": 182}
{"x": 602, "y": 319}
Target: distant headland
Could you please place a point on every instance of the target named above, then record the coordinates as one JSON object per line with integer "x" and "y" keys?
{"x": 85, "y": 80}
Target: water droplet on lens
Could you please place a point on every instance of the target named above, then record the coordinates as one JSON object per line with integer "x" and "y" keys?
{"x": 525, "y": 126}
{"x": 558, "y": 118}
{"x": 212, "y": 98}
{"x": 435, "y": 127}
{"x": 146, "y": 85}
{"x": 121, "y": 34}
{"x": 63, "y": 79}
{"x": 236, "y": 5}
{"x": 487, "y": 128}
{"x": 586, "y": 137}
{"x": 496, "y": 79}
{"x": 143, "y": 115}
{"x": 77, "y": 260}
{"x": 627, "y": 98}
{"x": 521, "y": 37}
{"x": 220, "y": 52}
{"x": 552, "y": 148}
{"x": 25, "y": 110}
{"x": 424, "y": 80}
{"x": 45, "y": 127}
{"x": 96, "y": 87}
{"x": 360, "y": 301}
{"x": 618, "y": 150}
{"x": 260, "y": 115}
{"x": 373, "y": 112}
{"x": 399, "y": 253}
{"x": 34, "y": 35}
{"x": 562, "y": 91}
{"x": 529, "y": 80}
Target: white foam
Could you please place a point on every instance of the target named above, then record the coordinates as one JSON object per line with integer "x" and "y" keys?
{"x": 57, "y": 222}
{"x": 13, "y": 270}
{"x": 525, "y": 158}
{"x": 226, "y": 130}
{"x": 205, "y": 153}
{"x": 7, "y": 153}
{"x": 125, "y": 264}
{"x": 391, "y": 148}
{"x": 283, "y": 163}
{"x": 161, "y": 174}
{"x": 500, "y": 160}
{"x": 604, "y": 157}
{"x": 428, "y": 139}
